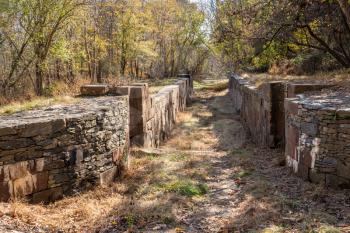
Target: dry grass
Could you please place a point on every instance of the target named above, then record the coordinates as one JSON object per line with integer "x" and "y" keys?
{"x": 156, "y": 85}
{"x": 340, "y": 77}
{"x": 215, "y": 85}
{"x": 72, "y": 214}
{"x": 36, "y": 103}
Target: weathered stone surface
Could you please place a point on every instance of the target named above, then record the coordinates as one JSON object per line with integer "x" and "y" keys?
{"x": 152, "y": 118}
{"x": 40, "y": 181}
{"x": 7, "y": 131}
{"x": 6, "y": 191}
{"x": 53, "y": 149}
{"x": 16, "y": 143}
{"x": 261, "y": 110}
{"x": 18, "y": 170}
{"x": 323, "y": 140}
{"x": 107, "y": 177}
{"x": 94, "y": 90}
{"x": 23, "y": 186}
{"x": 47, "y": 196}
{"x": 317, "y": 135}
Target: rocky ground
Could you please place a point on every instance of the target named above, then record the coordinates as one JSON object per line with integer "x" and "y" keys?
{"x": 206, "y": 178}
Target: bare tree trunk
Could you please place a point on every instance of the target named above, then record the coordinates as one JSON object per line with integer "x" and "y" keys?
{"x": 39, "y": 79}
{"x": 345, "y": 7}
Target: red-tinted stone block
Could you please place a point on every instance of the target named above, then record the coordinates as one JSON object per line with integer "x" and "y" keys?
{"x": 94, "y": 90}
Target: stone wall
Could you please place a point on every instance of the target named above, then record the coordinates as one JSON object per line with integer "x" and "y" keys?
{"x": 260, "y": 110}
{"x": 312, "y": 125}
{"x": 152, "y": 117}
{"x": 318, "y": 138}
{"x": 48, "y": 153}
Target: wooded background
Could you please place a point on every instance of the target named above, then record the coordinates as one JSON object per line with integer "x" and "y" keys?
{"x": 48, "y": 43}
{"x": 44, "y": 41}
{"x": 309, "y": 35}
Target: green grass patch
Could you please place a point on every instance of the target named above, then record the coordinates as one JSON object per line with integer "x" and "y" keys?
{"x": 186, "y": 188}
{"x": 216, "y": 87}
{"x": 243, "y": 174}
{"x": 238, "y": 152}
{"x": 291, "y": 204}
{"x": 273, "y": 229}
{"x": 178, "y": 157}
{"x": 162, "y": 82}
{"x": 326, "y": 229}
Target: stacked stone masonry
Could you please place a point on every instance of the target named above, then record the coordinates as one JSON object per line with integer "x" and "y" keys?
{"x": 318, "y": 133}
{"x": 153, "y": 117}
{"x": 314, "y": 130}
{"x": 51, "y": 152}
{"x": 260, "y": 109}
{"x": 56, "y": 151}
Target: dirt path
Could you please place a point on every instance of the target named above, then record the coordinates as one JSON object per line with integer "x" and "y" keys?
{"x": 206, "y": 178}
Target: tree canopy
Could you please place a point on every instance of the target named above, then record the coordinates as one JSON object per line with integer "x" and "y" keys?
{"x": 262, "y": 32}
{"x": 48, "y": 40}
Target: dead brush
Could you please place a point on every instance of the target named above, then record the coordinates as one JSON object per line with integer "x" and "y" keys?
{"x": 217, "y": 87}
{"x": 72, "y": 214}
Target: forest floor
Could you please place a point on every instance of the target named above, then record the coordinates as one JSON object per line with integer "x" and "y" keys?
{"x": 206, "y": 178}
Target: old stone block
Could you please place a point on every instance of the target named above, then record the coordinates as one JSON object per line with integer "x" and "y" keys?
{"x": 6, "y": 191}
{"x": 292, "y": 141}
{"x": 343, "y": 170}
{"x": 94, "y": 90}
{"x": 59, "y": 178}
{"x": 40, "y": 165}
{"x": 310, "y": 129}
{"x": 4, "y": 173}
{"x": 7, "y": 131}
{"x": 49, "y": 195}
{"x": 19, "y": 170}
{"x": 40, "y": 181}
{"x": 119, "y": 90}
{"x": 79, "y": 157}
{"x": 303, "y": 171}
{"x": 291, "y": 107}
{"x": 16, "y": 143}
{"x": 34, "y": 129}
{"x": 327, "y": 165}
{"x": 58, "y": 125}
{"x": 23, "y": 186}
{"x": 305, "y": 157}
{"x": 107, "y": 177}
{"x": 117, "y": 154}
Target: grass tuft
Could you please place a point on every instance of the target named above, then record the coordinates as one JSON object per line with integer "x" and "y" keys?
{"x": 243, "y": 174}
{"x": 326, "y": 229}
{"x": 216, "y": 87}
{"x": 186, "y": 188}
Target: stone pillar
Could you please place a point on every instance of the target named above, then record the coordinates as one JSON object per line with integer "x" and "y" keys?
{"x": 190, "y": 82}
